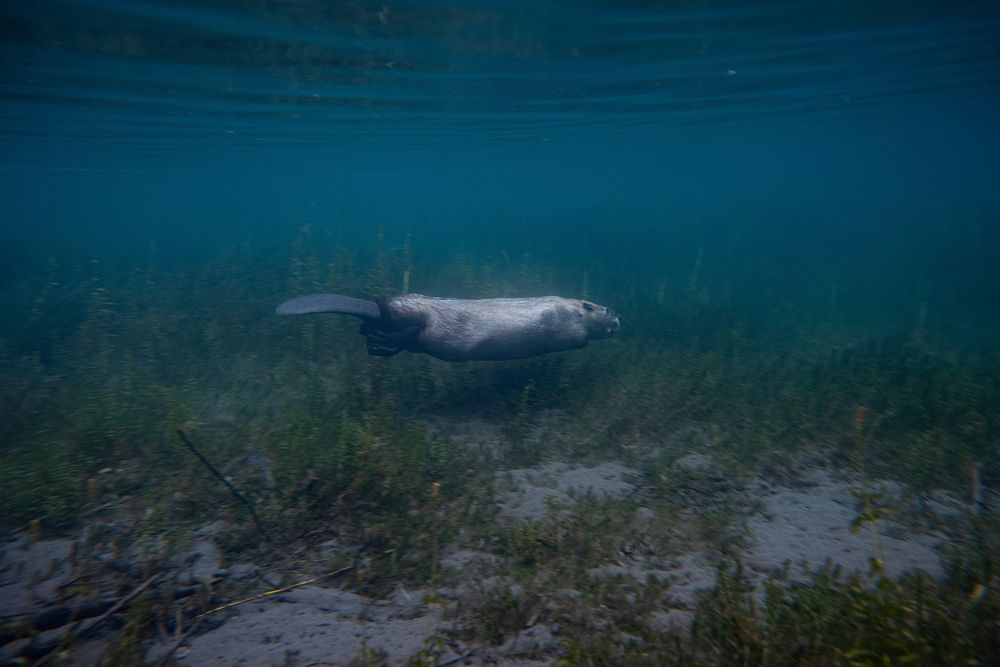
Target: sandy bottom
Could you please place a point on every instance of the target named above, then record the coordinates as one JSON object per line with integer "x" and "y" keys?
{"x": 801, "y": 528}
{"x": 313, "y": 625}
{"x": 811, "y": 526}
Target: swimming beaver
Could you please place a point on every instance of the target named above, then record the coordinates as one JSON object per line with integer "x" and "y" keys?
{"x": 467, "y": 329}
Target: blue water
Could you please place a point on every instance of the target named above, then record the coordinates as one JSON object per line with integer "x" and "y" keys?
{"x": 823, "y": 128}
{"x": 794, "y": 205}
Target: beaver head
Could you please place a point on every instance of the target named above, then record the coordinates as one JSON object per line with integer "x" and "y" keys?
{"x": 600, "y": 321}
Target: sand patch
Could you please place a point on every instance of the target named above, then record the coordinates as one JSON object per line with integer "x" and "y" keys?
{"x": 810, "y": 526}
{"x": 526, "y": 494}
{"x": 314, "y": 625}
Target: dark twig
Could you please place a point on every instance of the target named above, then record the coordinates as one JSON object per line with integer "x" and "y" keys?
{"x": 80, "y": 632}
{"x": 232, "y": 489}
{"x": 90, "y": 629}
{"x": 57, "y": 617}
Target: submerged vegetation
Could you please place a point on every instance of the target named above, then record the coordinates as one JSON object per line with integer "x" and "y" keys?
{"x": 102, "y": 363}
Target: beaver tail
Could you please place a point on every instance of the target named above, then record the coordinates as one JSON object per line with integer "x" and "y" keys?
{"x": 330, "y": 303}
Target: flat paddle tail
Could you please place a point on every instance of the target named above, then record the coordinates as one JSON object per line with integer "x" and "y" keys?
{"x": 330, "y": 303}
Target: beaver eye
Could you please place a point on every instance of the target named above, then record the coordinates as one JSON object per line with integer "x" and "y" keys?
{"x": 588, "y": 306}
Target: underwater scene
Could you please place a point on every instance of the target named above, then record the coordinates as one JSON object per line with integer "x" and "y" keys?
{"x": 499, "y": 333}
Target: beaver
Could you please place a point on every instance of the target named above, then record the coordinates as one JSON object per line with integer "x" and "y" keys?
{"x": 467, "y": 329}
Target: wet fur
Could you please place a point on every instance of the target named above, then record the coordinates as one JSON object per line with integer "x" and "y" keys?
{"x": 497, "y": 329}
{"x": 467, "y": 329}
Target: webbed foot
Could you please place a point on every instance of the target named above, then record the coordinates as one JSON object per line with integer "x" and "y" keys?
{"x": 388, "y": 343}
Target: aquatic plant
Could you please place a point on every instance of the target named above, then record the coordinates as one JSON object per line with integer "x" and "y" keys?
{"x": 102, "y": 363}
